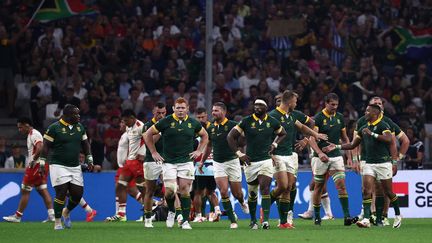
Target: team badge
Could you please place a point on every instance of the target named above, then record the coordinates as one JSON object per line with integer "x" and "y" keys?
{"x": 267, "y": 124}
{"x": 282, "y": 119}
{"x": 325, "y": 122}
{"x": 338, "y": 121}
{"x": 253, "y": 125}
{"x": 79, "y": 129}
{"x": 226, "y": 129}
{"x": 189, "y": 125}
{"x": 375, "y": 128}
{"x": 172, "y": 124}
{"x": 63, "y": 130}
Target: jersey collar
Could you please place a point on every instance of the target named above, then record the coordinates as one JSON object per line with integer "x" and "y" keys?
{"x": 324, "y": 111}
{"x": 64, "y": 123}
{"x": 222, "y": 123}
{"x": 281, "y": 111}
{"x": 154, "y": 120}
{"x": 178, "y": 119}
{"x": 257, "y": 119}
{"x": 377, "y": 120}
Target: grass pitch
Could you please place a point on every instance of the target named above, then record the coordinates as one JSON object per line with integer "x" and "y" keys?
{"x": 412, "y": 230}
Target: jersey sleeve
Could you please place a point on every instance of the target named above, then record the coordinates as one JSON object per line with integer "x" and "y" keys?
{"x": 395, "y": 128}
{"x": 318, "y": 121}
{"x": 161, "y": 125}
{"x": 198, "y": 127}
{"x": 277, "y": 127}
{"x": 342, "y": 121}
{"x": 36, "y": 138}
{"x": 384, "y": 128}
{"x": 50, "y": 133}
{"x": 301, "y": 117}
{"x": 83, "y": 131}
{"x": 241, "y": 126}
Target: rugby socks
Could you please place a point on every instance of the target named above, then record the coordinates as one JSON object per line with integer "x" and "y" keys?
{"x": 317, "y": 209}
{"x": 147, "y": 214}
{"x": 272, "y": 197}
{"x": 226, "y": 203}
{"x": 265, "y": 205}
{"x": 170, "y": 203}
{"x": 252, "y": 202}
{"x": 58, "y": 208}
{"x": 51, "y": 213}
{"x": 178, "y": 211}
{"x": 122, "y": 210}
{"x": 284, "y": 208}
{"x": 85, "y": 206}
{"x": 116, "y": 205}
{"x": 344, "y": 202}
{"x": 138, "y": 197}
{"x": 204, "y": 204}
{"x": 379, "y": 207}
{"x": 72, "y": 204}
{"x": 18, "y": 214}
{"x": 310, "y": 207}
{"x": 325, "y": 200}
{"x": 293, "y": 194}
{"x": 395, "y": 204}
{"x": 367, "y": 207}
{"x": 185, "y": 201}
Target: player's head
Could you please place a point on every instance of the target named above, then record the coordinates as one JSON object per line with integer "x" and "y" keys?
{"x": 71, "y": 114}
{"x": 122, "y": 126}
{"x": 278, "y": 99}
{"x": 376, "y": 100}
{"x": 331, "y": 102}
{"x": 260, "y": 107}
{"x": 219, "y": 111}
{"x": 159, "y": 111}
{"x": 181, "y": 108}
{"x": 201, "y": 115}
{"x": 372, "y": 112}
{"x": 24, "y": 125}
{"x": 289, "y": 99}
{"x": 128, "y": 117}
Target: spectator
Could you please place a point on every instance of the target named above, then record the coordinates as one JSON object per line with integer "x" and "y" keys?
{"x": 415, "y": 154}
{"x": 16, "y": 160}
{"x": 4, "y": 154}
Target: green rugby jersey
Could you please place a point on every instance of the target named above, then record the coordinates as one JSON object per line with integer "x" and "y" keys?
{"x": 375, "y": 151}
{"x": 394, "y": 128}
{"x": 259, "y": 135}
{"x": 218, "y": 136}
{"x": 66, "y": 142}
{"x": 287, "y": 120}
{"x": 177, "y": 137}
{"x": 148, "y": 156}
{"x": 332, "y": 125}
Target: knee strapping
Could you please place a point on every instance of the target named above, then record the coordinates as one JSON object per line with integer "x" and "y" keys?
{"x": 140, "y": 184}
{"x": 26, "y": 188}
{"x": 42, "y": 187}
{"x": 338, "y": 176}
{"x": 123, "y": 183}
{"x": 319, "y": 178}
{"x": 172, "y": 186}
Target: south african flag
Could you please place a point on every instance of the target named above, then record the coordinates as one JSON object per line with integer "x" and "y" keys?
{"x": 411, "y": 42}
{"x": 59, "y": 9}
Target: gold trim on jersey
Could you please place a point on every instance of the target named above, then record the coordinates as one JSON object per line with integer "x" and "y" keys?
{"x": 222, "y": 123}
{"x": 178, "y": 119}
{"x": 328, "y": 115}
{"x": 63, "y": 122}
{"x": 376, "y": 121}
{"x": 155, "y": 129}
{"x": 154, "y": 120}
{"x": 48, "y": 137}
{"x": 281, "y": 111}
{"x": 257, "y": 119}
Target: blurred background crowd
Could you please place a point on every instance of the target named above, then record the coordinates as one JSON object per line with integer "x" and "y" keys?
{"x": 134, "y": 53}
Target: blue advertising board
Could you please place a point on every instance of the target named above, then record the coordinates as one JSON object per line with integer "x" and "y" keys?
{"x": 99, "y": 192}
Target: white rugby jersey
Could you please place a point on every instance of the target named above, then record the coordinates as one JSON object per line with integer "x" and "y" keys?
{"x": 122, "y": 150}
{"x": 135, "y": 138}
{"x": 34, "y": 137}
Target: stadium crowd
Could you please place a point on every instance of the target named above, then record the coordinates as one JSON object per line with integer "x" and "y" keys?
{"x": 133, "y": 54}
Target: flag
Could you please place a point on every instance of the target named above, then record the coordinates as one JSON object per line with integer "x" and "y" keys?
{"x": 413, "y": 43}
{"x": 59, "y": 9}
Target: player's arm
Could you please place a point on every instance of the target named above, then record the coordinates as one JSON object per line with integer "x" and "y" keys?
{"x": 404, "y": 144}
{"x": 280, "y": 135}
{"x": 345, "y": 139}
{"x": 207, "y": 151}
{"x": 305, "y": 141}
{"x": 232, "y": 138}
{"x": 313, "y": 144}
{"x": 385, "y": 137}
{"x": 85, "y": 146}
{"x": 310, "y": 132}
{"x": 202, "y": 144}
{"x": 149, "y": 141}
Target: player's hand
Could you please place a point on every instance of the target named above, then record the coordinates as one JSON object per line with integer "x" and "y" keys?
{"x": 321, "y": 136}
{"x": 300, "y": 146}
{"x": 140, "y": 157}
{"x": 272, "y": 149}
{"x": 158, "y": 158}
{"x": 274, "y": 161}
{"x": 89, "y": 162}
{"x": 394, "y": 170}
{"x": 349, "y": 163}
{"x": 356, "y": 167}
{"x": 244, "y": 159}
{"x": 195, "y": 154}
{"x": 41, "y": 169}
{"x": 323, "y": 157}
{"x": 32, "y": 164}
{"x": 366, "y": 131}
{"x": 200, "y": 167}
{"x": 329, "y": 148}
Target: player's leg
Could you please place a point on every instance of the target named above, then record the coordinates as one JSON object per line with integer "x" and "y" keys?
{"x": 308, "y": 214}
{"x": 141, "y": 189}
{"x": 368, "y": 184}
{"x": 198, "y": 194}
{"x": 319, "y": 170}
{"x": 385, "y": 176}
{"x": 212, "y": 197}
{"x": 378, "y": 200}
{"x": 148, "y": 202}
{"x": 232, "y": 170}
{"x": 264, "y": 182}
{"x": 251, "y": 173}
{"x": 222, "y": 184}
{"x": 292, "y": 191}
{"x": 75, "y": 195}
{"x": 90, "y": 212}
{"x": 46, "y": 197}
{"x": 185, "y": 200}
{"x": 339, "y": 181}
{"x": 59, "y": 203}
{"x": 121, "y": 193}
{"x": 25, "y": 196}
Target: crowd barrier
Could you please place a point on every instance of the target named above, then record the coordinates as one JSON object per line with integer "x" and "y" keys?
{"x": 414, "y": 189}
